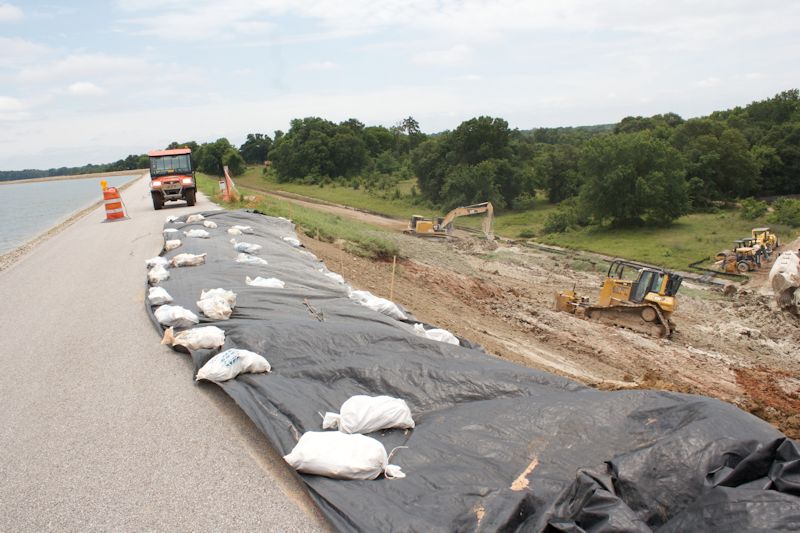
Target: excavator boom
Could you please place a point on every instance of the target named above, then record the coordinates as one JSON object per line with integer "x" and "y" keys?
{"x": 428, "y": 227}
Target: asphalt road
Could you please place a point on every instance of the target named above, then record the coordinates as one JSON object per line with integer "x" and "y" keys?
{"x": 101, "y": 427}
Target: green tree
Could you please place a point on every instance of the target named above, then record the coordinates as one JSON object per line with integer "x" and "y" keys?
{"x": 719, "y": 156}
{"x": 255, "y": 149}
{"x": 234, "y": 161}
{"x": 633, "y": 178}
{"x": 211, "y": 157}
{"x": 349, "y": 152}
{"x": 429, "y": 163}
{"x": 470, "y": 184}
{"x": 556, "y": 169}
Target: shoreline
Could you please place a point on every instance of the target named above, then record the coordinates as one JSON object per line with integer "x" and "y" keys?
{"x": 9, "y": 258}
{"x": 134, "y": 172}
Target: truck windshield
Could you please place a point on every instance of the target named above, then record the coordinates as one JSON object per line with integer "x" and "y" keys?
{"x": 170, "y": 164}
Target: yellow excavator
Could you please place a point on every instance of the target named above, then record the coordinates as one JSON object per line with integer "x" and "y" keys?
{"x": 443, "y": 226}
{"x": 644, "y": 302}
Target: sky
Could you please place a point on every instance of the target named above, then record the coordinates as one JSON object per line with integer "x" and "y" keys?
{"x": 93, "y": 81}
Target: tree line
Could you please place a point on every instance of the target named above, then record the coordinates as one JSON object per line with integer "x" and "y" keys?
{"x": 640, "y": 170}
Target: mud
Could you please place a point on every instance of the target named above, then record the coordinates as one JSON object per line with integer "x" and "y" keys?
{"x": 738, "y": 348}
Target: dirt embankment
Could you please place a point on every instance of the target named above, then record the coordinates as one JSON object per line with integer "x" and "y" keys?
{"x": 740, "y": 348}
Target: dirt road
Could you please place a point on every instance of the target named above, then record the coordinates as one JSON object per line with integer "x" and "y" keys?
{"x": 102, "y": 428}
{"x": 740, "y": 348}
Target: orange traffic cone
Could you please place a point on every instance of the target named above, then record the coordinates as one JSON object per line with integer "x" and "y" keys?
{"x": 114, "y": 206}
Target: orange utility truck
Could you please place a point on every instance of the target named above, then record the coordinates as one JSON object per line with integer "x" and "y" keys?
{"x": 172, "y": 176}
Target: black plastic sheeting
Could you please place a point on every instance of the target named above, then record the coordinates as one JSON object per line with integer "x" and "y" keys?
{"x": 497, "y": 446}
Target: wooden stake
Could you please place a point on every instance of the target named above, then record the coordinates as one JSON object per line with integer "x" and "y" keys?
{"x": 391, "y": 289}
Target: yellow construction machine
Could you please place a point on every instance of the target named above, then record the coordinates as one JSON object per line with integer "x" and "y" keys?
{"x": 644, "y": 302}
{"x": 766, "y": 238}
{"x": 443, "y": 226}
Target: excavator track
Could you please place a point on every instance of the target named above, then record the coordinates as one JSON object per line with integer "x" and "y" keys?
{"x": 644, "y": 318}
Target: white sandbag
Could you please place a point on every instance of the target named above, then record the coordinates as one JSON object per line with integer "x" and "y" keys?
{"x": 245, "y": 247}
{"x": 157, "y": 274}
{"x": 169, "y": 231}
{"x": 785, "y": 273}
{"x": 171, "y": 218}
{"x": 175, "y": 316}
{"x": 244, "y": 229}
{"x": 230, "y": 363}
{"x": 197, "y": 233}
{"x": 172, "y": 244}
{"x": 335, "y": 277}
{"x": 341, "y": 456}
{"x": 234, "y": 231}
{"x": 182, "y": 260}
{"x": 210, "y": 224}
{"x": 293, "y": 241}
{"x": 194, "y": 218}
{"x": 215, "y": 308}
{"x": 376, "y": 303}
{"x": 228, "y": 296}
{"x": 250, "y": 259}
{"x": 270, "y": 283}
{"x": 158, "y": 296}
{"x": 204, "y": 338}
{"x": 365, "y": 414}
{"x": 157, "y": 260}
{"x": 306, "y": 253}
{"x": 436, "y": 334}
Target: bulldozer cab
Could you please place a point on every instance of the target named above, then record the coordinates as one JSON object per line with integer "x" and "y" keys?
{"x": 765, "y": 237}
{"x": 643, "y": 280}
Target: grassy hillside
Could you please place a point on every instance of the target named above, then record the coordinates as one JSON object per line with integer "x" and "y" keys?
{"x": 344, "y": 195}
{"x": 358, "y": 237}
{"x": 689, "y": 239}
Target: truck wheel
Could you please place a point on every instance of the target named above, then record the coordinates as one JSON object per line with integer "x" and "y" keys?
{"x": 743, "y": 267}
{"x": 158, "y": 200}
{"x": 190, "y": 195}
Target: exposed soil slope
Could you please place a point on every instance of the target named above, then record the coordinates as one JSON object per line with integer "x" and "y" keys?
{"x": 740, "y": 348}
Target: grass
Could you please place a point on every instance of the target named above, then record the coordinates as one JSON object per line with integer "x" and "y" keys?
{"x": 689, "y": 239}
{"x": 342, "y": 194}
{"x": 360, "y": 238}
{"x": 511, "y": 224}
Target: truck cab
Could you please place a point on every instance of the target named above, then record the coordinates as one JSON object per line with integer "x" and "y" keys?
{"x": 172, "y": 176}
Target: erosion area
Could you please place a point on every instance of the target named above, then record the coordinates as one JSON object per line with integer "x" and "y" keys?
{"x": 737, "y": 348}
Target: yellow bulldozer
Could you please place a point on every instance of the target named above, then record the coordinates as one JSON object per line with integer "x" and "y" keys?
{"x": 443, "y": 226}
{"x": 643, "y": 302}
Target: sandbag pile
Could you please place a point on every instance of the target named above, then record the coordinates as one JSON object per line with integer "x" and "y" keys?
{"x": 494, "y": 446}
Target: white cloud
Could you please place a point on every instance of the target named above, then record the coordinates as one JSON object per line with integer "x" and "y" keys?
{"x": 455, "y": 55}
{"x": 321, "y": 65}
{"x": 85, "y": 88}
{"x": 10, "y": 13}
{"x": 12, "y": 109}
{"x": 468, "y": 78}
{"x": 15, "y": 51}
{"x": 84, "y": 66}
{"x": 709, "y": 82}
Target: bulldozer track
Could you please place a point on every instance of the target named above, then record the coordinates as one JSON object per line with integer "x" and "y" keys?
{"x": 630, "y": 317}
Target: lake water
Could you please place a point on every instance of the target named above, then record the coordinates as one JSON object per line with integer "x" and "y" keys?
{"x": 29, "y": 209}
